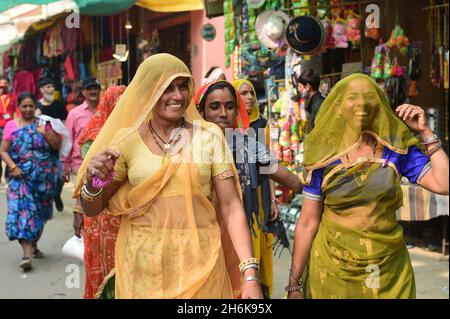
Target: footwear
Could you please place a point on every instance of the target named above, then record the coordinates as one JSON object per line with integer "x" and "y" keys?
{"x": 38, "y": 254}
{"x": 59, "y": 203}
{"x": 25, "y": 263}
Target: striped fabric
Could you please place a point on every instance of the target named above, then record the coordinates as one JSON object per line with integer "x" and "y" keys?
{"x": 420, "y": 204}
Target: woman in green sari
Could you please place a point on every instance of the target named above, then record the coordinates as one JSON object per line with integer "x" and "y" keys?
{"x": 348, "y": 243}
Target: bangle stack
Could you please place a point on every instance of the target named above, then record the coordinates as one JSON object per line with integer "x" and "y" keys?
{"x": 430, "y": 140}
{"x": 247, "y": 264}
{"x": 297, "y": 287}
{"x": 88, "y": 196}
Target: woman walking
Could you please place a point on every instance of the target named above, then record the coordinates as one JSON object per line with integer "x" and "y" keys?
{"x": 28, "y": 148}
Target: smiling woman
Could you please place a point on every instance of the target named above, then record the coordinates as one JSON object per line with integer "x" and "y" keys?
{"x": 348, "y": 243}
{"x": 170, "y": 241}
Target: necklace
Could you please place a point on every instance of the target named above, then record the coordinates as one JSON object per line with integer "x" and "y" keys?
{"x": 167, "y": 146}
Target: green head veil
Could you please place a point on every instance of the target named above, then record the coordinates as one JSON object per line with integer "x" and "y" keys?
{"x": 355, "y": 105}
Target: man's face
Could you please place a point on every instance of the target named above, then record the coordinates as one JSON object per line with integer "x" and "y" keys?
{"x": 91, "y": 93}
{"x": 48, "y": 89}
{"x": 4, "y": 86}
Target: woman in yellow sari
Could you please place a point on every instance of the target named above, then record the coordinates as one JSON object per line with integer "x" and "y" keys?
{"x": 161, "y": 165}
{"x": 348, "y": 243}
{"x": 263, "y": 240}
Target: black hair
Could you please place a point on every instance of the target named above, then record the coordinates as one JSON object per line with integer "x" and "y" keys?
{"x": 218, "y": 86}
{"x": 2, "y": 77}
{"x": 25, "y": 95}
{"x": 310, "y": 77}
{"x": 44, "y": 81}
{"x": 211, "y": 69}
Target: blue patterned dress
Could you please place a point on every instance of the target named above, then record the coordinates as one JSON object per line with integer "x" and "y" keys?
{"x": 30, "y": 198}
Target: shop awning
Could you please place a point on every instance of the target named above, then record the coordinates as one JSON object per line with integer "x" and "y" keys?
{"x": 171, "y": 5}
{"x": 103, "y": 7}
{"x": 8, "y": 4}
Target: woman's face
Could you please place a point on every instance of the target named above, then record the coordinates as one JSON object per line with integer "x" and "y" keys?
{"x": 174, "y": 101}
{"x": 220, "y": 108}
{"x": 248, "y": 95}
{"x": 27, "y": 108}
{"x": 360, "y": 104}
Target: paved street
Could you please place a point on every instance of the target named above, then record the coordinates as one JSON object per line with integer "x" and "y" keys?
{"x": 48, "y": 277}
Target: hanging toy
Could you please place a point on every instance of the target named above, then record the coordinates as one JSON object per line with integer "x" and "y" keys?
{"x": 376, "y": 68}
{"x": 340, "y": 40}
{"x": 336, "y": 11}
{"x": 328, "y": 27}
{"x": 352, "y": 31}
{"x": 396, "y": 70}
{"x": 398, "y": 40}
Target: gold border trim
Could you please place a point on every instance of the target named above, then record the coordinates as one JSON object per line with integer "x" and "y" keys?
{"x": 105, "y": 281}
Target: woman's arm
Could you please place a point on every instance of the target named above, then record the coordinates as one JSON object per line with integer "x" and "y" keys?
{"x": 4, "y": 153}
{"x": 305, "y": 232}
{"x": 436, "y": 179}
{"x": 286, "y": 178}
{"x": 236, "y": 223}
{"x": 14, "y": 170}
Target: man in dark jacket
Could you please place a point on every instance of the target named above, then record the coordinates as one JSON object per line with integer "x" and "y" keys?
{"x": 308, "y": 88}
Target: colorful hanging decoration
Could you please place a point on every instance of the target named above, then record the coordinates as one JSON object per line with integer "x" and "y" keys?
{"x": 398, "y": 40}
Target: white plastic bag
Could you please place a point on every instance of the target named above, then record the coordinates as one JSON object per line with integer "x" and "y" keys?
{"x": 74, "y": 248}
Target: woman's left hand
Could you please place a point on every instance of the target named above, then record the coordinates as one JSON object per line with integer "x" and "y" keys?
{"x": 41, "y": 129}
{"x": 414, "y": 116}
{"x": 251, "y": 290}
{"x": 274, "y": 212}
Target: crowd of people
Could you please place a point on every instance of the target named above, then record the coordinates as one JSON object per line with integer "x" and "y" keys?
{"x": 175, "y": 193}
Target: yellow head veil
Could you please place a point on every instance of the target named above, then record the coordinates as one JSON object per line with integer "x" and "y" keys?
{"x": 134, "y": 107}
{"x": 254, "y": 113}
{"x": 324, "y": 144}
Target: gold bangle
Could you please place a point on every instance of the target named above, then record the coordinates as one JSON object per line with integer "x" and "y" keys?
{"x": 13, "y": 167}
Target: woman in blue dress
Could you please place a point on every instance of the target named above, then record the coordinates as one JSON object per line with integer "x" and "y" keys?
{"x": 30, "y": 150}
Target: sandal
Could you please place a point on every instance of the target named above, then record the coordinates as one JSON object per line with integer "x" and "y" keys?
{"x": 38, "y": 254}
{"x": 25, "y": 263}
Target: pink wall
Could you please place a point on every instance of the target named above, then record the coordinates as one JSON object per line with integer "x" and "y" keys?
{"x": 209, "y": 53}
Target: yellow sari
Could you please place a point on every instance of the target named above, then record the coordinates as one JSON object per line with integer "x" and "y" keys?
{"x": 359, "y": 250}
{"x": 171, "y": 242}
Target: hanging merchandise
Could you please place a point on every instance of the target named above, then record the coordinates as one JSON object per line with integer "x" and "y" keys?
{"x": 414, "y": 70}
{"x": 300, "y": 7}
{"x": 322, "y": 6}
{"x": 340, "y": 39}
{"x": 352, "y": 32}
{"x": 329, "y": 39}
{"x": 381, "y": 66}
{"x": 53, "y": 44}
{"x": 336, "y": 9}
{"x": 305, "y": 34}
{"x": 398, "y": 40}
{"x": 255, "y": 4}
{"x": 271, "y": 27}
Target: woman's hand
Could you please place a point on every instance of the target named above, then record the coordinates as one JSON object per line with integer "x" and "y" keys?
{"x": 295, "y": 295}
{"x": 41, "y": 130}
{"x": 274, "y": 211}
{"x": 101, "y": 165}
{"x": 251, "y": 290}
{"x": 16, "y": 172}
{"x": 413, "y": 116}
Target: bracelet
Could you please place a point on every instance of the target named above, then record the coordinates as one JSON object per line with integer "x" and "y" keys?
{"x": 434, "y": 149}
{"x": 251, "y": 278}
{"x": 248, "y": 266}
{"x": 429, "y": 140}
{"x": 297, "y": 280}
{"x": 90, "y": 194}
{"x": 13, "y": 167}
{"x": 246, "y": 262}
{"x": 294, "y": 288}
{"x": 86, "y": 195}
